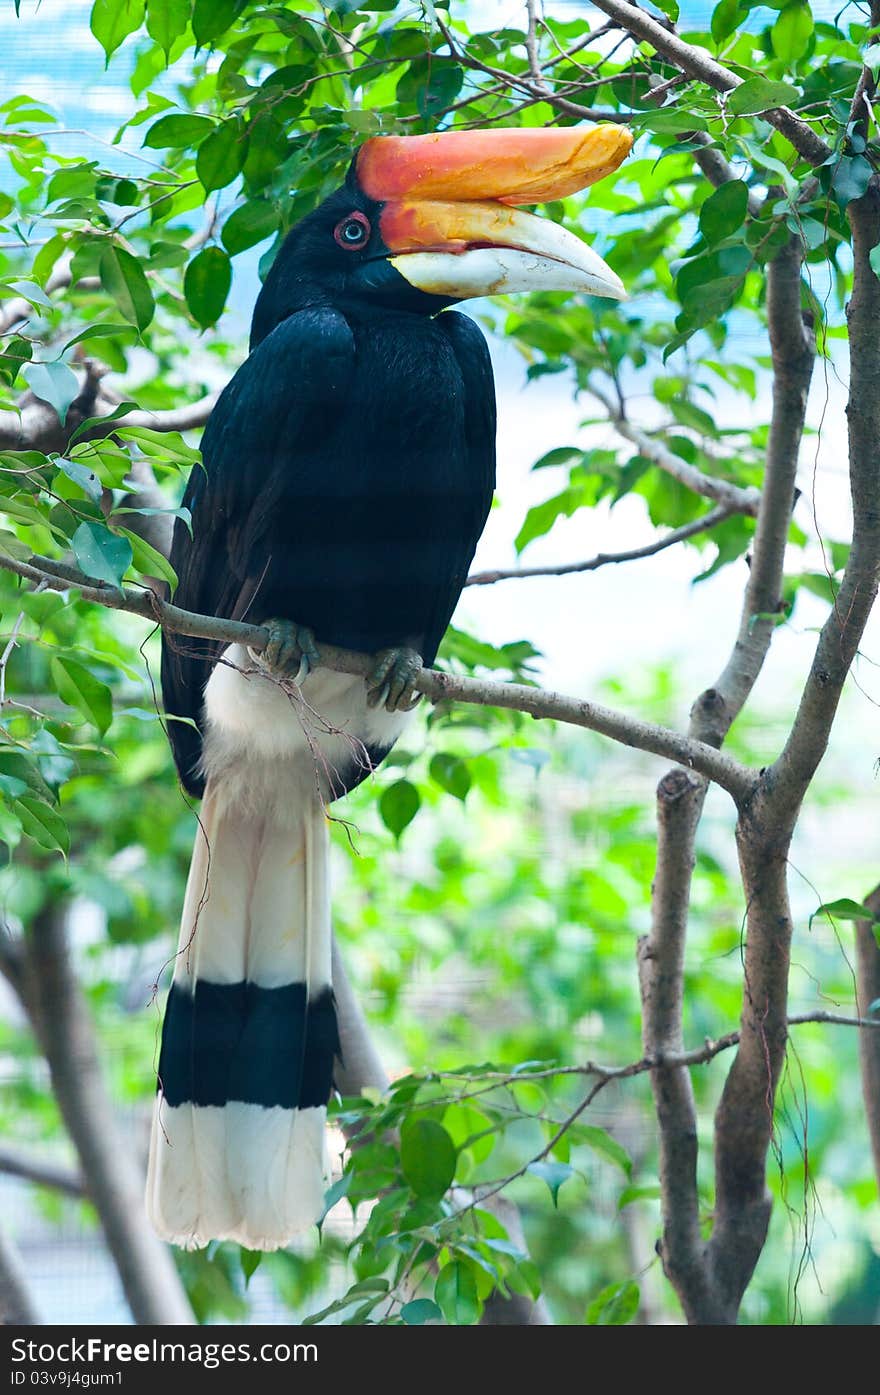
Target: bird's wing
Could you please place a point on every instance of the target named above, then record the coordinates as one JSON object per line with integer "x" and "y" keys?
{"x": 262, "y": 423}
{"x": 472, "y": 355}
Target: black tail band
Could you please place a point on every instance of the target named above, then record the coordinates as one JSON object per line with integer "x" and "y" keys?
{"x": 236, "y": 1041}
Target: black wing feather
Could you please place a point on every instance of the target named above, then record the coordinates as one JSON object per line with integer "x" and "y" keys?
{"x": 264, "y": 418}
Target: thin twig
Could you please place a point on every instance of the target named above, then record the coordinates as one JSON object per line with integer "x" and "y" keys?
{"x": 697, "y": 64}
{"x": 603, "y": 559}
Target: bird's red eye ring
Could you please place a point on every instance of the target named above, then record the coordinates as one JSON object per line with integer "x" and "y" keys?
{"x": 353, "y": 232}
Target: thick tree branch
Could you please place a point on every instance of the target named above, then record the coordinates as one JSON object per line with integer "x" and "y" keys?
{"x": 50, "y": 995}
{"x": 35, "y": 425}
{"x": 691, "y": 1267}
{"x": 604, "y": 559}
{"x": 744, "y": 1118}
{"x": 868, "y": 992}
{"x": 696, "y": 63}
{"x": 680, "y": 796}
{"x": 787, "y": 781}
{"x": 793, "y": 351}
{"x": 737, "y": 779}
{"x": 16, "y": 1306}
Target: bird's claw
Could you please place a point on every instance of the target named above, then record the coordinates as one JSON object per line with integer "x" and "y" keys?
{"x": 291, "y": 651}
{"x": 391, "y": 683}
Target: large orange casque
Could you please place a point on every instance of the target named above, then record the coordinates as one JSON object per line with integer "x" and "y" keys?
{"x": 515, "y": 166}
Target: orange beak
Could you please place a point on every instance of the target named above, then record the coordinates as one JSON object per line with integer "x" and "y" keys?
{"x": 513, "y": 166}
{"x": 448, "y": 207}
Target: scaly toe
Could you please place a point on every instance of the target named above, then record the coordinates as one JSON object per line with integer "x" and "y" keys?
{"x": 391, "y": 683}
{"x": 291, "y": 651}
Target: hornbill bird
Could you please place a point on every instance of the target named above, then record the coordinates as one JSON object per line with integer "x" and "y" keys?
{"x": 348, "y": 471}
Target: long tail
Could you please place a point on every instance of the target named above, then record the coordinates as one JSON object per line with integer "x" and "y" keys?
{"x": 237, "y": 1149}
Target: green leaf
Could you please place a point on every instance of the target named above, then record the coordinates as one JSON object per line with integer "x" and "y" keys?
{"x": 791, "y": 34}
{"x": 851, "y": 177}
{"x": 98, "y": 332}
{"x": 54, "y": 383}
{"x": 167, "y": 21}
{"x": 80, "y": 689}
{"x": 145, "y": 557}
{"x": 100, "y": 553}
{"x": 112, "y": 21}
{"x": 553, "y": 1173}
{"x": 759, "y": 94}
{"x": 874, "y": 259}
{"x": 451, "y": 774}
{"x": 30, "y": 291}
{"x": 43, "y": 824}
{"x": 725, "y": 18}
{"x": 601, "y": 1142}
{"x": 177, "y": 130}
{"x": 398, "y": 806}
{"x": 845, "y": 909}
{"x": 420, "y": 1310}
{"x": 206, "y": 285}
{"x": 724, "y": 212}
{"x": 427, "y": 1157}
{"x": 631, "y": 1194}
{"x": 615, "y": 1306}
{"x": 250, "y": 1262}
{"x": 81, "y": 475}
{"x": 211, "y": 18}
{"x": 431, "y": 83}
{"x": 456, "y": 1294}
{"x": 15, "y": 354}
{"x": 248, "y": 225}
{"x": 221, "y": 155}
{"x": 122, "y": 276}
{"x": 12, "y": 546}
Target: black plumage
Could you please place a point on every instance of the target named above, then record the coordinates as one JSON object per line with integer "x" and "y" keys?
{"x": 348, "y": 466}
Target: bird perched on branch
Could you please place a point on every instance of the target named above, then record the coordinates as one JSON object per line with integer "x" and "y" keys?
{"x": 348, "y": 472}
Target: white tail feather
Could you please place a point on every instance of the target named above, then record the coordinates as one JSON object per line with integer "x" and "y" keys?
{"x": 256, "y": 909}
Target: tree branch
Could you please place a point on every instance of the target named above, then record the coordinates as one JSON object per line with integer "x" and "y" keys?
{"x": 16, "y": 1307}
{"x": 36, "y": 425}
{"x": 42, "y": 1174}
{"x": 688, "y": 1263}
{"x": 51, "y": 996}
{"x": 737, "y": 779}
{"x": 868, "y": 992}
{"x": 13, "y": 312}
{"x": 696, "y": 63}
{"x": 729, "y": 496}
{"x": 661, "y": 957}
{"x": 603, "y": 559}
{"x": 793, "y": 351}
{"x": 787, "y": 781}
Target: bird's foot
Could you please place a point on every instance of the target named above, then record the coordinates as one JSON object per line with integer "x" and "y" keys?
{"x": 291, "y": 651}
{"x": 391, "y": 684}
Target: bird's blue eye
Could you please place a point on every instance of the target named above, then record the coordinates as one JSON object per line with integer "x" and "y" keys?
{"x": 353, "y": 232}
